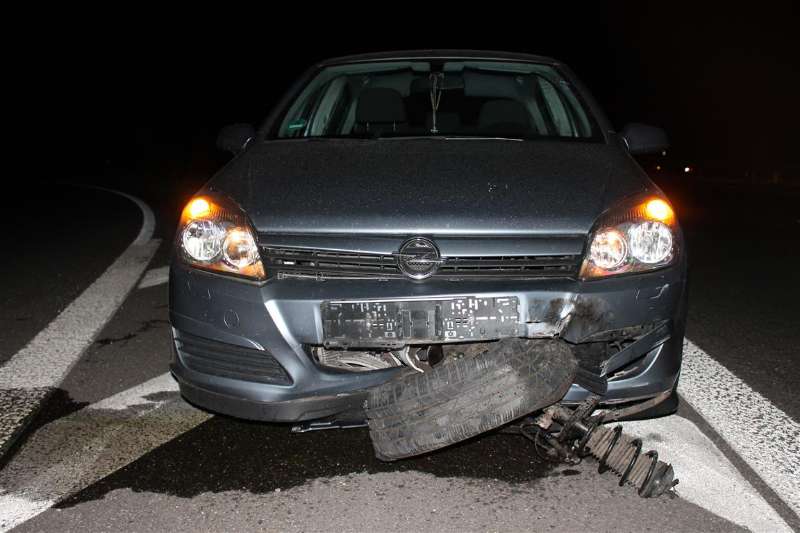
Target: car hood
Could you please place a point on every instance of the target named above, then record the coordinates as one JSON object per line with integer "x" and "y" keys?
{"x": 428, "y": 186}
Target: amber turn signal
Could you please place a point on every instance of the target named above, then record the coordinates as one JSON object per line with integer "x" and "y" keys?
{"x": 198, "y": 208}
{"x": 658, "y": 209}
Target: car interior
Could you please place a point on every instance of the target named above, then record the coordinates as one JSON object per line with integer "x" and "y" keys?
{"x": 446, "y": 99}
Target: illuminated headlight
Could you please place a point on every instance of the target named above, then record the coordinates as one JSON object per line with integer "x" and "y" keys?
{"x": 609, "y": 249}
{"x": 635, "y": 237}
{"x": 202, "y": 239}
{"x": 651, "y": 242}
{"x": 215, "y": 235}
{"x": 239, "y": 249}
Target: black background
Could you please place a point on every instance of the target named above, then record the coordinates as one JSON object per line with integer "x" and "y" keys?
{"x": 139, "y": 86}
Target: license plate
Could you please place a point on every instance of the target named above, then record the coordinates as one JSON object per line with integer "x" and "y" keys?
{"x": 399, "y": 322}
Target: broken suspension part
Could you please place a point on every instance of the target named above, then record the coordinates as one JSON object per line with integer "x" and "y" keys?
{"x": 581, "y": 434}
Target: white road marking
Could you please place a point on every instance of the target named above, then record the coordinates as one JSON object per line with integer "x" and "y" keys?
{"x": 764, "y": 436}
{"x": 78, "y": 450}
{"x": 47, "y": 358}
{"x": 155, "y": 276}
{"x": 707, "y": 478}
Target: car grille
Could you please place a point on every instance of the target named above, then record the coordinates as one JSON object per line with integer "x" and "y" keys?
{"x": 229, "y": 361}
{"x": 292, "y": 263}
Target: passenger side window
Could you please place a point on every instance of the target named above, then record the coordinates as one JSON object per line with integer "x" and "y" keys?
{"x": 297, "y": 120}
{"x": 327, "y": 115}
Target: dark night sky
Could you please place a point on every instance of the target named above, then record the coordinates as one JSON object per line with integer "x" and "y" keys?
{"x": 724, "y": 84}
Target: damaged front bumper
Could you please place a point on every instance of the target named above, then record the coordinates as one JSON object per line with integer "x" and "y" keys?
{"x": 244, "y": 349}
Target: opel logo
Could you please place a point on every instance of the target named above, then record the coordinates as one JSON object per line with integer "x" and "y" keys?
{"x": 418, "y": 258}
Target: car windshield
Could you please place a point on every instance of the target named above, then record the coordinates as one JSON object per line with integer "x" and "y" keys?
{"x": 438, "y": 98}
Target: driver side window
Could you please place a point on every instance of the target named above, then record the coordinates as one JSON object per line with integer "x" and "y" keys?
{"x": 559, "y": 116}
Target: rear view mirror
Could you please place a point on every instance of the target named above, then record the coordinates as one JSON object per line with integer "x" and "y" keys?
{"x": 234, "y": 138}
{"x": 644, "y": 139}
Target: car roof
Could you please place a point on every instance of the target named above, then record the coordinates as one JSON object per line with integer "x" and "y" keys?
{"x": 439, "y": 54}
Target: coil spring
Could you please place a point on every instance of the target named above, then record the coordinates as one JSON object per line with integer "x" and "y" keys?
{"x": 623, "y": 455}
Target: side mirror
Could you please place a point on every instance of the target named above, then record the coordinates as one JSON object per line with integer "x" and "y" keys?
{"x": 644, "y": 139}
{"x": 234, "y": 138}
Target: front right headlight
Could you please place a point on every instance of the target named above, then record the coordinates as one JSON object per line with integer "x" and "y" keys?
{"x": 214, "y": 234}
{"x": 637, "y": 236}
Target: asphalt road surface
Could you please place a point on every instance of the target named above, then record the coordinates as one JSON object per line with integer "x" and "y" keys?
{"x": 113, "y": 446}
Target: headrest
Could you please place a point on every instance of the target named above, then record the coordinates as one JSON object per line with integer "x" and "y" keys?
{"x": 503, "y": 112}
{"x": 380, "y": 105}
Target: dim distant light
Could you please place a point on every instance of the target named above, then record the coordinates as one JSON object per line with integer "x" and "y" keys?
{"x": 687, "y": 169}
{"x": 658, "y": 167}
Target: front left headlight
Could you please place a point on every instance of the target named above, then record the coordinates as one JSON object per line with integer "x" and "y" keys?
{"x": 637, "y": 236}
{"x": 214, "y": 234}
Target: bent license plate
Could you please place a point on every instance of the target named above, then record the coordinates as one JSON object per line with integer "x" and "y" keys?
{"x": 395, "y": 323}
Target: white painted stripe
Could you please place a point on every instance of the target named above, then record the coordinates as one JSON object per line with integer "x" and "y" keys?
{"x": 155, "y": 276}
{"x": 76, "y": 451}
{"x": 48, "y": 357}
{"x": 707, "y": 478}
{"x": 764, "y": 436}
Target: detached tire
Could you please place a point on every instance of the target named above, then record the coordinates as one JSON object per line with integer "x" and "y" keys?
{"x": 493, "y": 384}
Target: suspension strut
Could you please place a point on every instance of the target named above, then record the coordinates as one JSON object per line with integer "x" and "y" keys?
{"x": 582, "y": 434}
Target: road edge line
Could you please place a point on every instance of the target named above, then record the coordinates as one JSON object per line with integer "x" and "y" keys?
{"x": 60, "y": 344}
{"x": 706, "y": 384}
